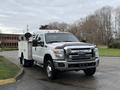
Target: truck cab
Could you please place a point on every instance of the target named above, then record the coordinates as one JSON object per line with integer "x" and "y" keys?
{"x": 62, "y": 51}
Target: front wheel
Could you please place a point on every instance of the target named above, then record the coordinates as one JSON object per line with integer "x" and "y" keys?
{"x": 90, "y": 71}
{"x": 50, "y": 70}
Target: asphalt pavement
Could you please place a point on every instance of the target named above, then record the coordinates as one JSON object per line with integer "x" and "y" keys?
{"x": 107, "y": 77}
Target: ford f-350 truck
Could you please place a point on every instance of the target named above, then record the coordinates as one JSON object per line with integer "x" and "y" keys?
{"x": 58, "y": 51}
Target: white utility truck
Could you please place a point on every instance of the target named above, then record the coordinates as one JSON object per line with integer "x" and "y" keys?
{"x": 57, "y": 51}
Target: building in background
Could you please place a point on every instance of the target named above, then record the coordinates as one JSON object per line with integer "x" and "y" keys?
{"x": 9, "y": 40}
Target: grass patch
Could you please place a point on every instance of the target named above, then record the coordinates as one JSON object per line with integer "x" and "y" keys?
{"x": 109, "y": 52}
{"x": 7, "y": 69}
{"x": 8, "y": 49}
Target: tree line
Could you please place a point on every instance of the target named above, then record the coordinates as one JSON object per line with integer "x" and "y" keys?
{"x": 101, "y": 27}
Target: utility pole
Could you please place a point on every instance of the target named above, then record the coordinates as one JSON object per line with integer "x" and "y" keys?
{"x": 0, "y": 31}
{"x": 27, "y": 28}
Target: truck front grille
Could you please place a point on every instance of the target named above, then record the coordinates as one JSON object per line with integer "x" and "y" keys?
{"x": 81, "y": 65}
{"x": 81, "y": 54}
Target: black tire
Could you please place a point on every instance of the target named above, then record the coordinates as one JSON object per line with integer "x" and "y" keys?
{"x": 50, "y": 70}
{"x": 21, "y": 58}
{"x": 31, "y": 63}
{"x": 90, "y": 71}
{"x": 26, "y": 63}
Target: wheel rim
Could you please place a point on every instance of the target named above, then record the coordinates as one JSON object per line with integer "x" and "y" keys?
{"x": 49, "y": 71}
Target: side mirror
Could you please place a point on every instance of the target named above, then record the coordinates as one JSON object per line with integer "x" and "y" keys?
{"x": 35, "y": 43}
{"x": 39, "y": 39}
{"x": 41, "y": 43}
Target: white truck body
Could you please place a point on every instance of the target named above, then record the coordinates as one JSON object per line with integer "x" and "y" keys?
{"x": 26, "y": 48}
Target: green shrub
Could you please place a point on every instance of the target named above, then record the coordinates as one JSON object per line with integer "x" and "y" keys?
{"x": 115, "y": 44}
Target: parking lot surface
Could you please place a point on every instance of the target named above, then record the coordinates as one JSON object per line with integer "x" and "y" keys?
{"x": 107, "y": 77}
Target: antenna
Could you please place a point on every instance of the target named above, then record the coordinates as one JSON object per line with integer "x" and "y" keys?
{"x": 27, "y": 27}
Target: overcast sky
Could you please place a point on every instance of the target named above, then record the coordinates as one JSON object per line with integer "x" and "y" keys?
{"x": 16, "y": 14}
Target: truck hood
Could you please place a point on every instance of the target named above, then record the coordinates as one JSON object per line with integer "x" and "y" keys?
{"x": 62, "y": 45}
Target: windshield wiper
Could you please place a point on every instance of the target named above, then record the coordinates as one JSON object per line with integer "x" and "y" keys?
{"x": 67, "y": 41}
{"x": 53, "y": 41}
{"x": 58, "y": 41}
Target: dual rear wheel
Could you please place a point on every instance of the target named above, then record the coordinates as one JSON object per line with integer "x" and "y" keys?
{"x": 26, "y": 63}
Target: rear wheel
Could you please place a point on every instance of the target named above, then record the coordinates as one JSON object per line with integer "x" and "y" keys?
{"x": 90, "y": 71}
{"x": 50, "y": 70}
{"x": 24, "y": 62}
{"x": 21, "y": 58}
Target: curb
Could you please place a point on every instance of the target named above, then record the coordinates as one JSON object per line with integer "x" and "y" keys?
{"x": 14, "y": 79}
{"x": 20, "y": 73}
{"x": 108, "y": 56}
{"x": 7, "y": 81}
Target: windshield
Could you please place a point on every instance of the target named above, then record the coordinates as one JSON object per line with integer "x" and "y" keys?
{"x": 60, "y": 37}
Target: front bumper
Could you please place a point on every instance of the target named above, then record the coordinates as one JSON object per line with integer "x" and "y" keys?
{"x": 65, "y": 65}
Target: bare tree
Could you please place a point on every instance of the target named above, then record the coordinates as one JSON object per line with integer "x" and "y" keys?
{"x": 105, "y": 24}
{"x": 73, "y": 28}
{"x": 96, "y": 28}
{"x": 43, "y": 27}
{"x": 117, "y": 22}
{"x": 56, "y": 25}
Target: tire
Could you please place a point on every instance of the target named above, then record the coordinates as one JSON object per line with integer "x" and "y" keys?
{"x": 21, "y": 58}
{"x": 90, "y": 71}
{"x": 24, "y": 62}
{"x": 31, "y": 63}
{"x": 50, "y": 71}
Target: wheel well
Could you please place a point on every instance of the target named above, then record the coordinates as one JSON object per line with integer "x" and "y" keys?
{"x": 47, "y": 57}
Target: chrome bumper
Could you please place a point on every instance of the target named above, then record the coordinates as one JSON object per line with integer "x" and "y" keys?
{"x": 65, "y": 65}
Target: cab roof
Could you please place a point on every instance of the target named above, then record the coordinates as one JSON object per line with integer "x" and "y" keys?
{"x": 42, "y": 31}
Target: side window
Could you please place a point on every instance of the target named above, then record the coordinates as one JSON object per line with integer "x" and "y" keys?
{"x": 35, "y": 36}
{"x": 40, "y": 38}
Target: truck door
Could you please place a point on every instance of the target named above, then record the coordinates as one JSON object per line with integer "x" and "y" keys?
{"x": 34, "y": 47}
{"x": 40, "y": 49}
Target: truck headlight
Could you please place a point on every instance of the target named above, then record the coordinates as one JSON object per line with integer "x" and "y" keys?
{"x": 96, "y": 52}
{"x": 59, "y": 53}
